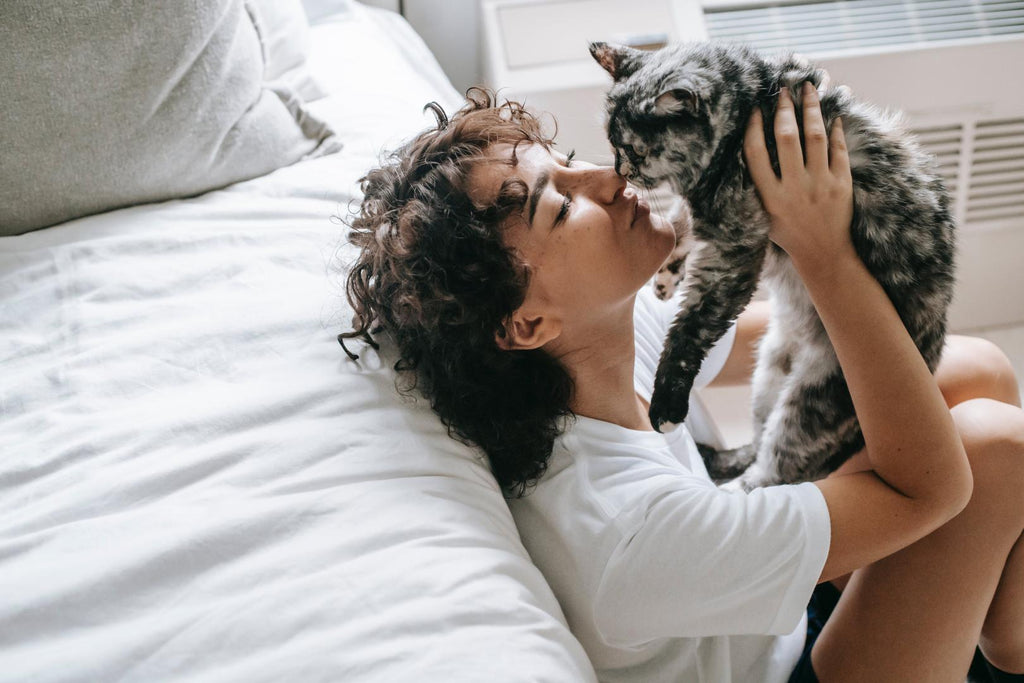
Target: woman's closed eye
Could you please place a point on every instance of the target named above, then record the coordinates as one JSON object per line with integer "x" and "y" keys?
{"x": 564, "y": 211}
{"x": 567, "y": 202}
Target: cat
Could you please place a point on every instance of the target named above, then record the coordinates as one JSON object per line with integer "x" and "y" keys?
{"x": 678, "y": 115}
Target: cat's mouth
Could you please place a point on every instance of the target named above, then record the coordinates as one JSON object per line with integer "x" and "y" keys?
{"x": 644, "y": 181}
{"x": 629, "y": 167}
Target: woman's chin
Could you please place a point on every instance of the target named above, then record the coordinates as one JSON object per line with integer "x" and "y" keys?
{"x": 661, "y": 223}
{"x": 663, "y": 226}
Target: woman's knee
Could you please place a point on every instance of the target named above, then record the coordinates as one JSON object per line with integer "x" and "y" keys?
{"x": 993, "y": 436}
{"x": 972, "y": 367}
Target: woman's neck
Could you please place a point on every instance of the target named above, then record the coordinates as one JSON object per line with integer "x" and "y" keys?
{"x": 625, "y": 409}
{"x": 602, "y": 369}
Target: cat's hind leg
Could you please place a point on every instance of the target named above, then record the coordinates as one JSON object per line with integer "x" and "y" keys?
{"x": 727, "y": 464}
{"x": 775, "y": 355}
{"x": 811, "y": 430}
{"x": 774, "y": 360}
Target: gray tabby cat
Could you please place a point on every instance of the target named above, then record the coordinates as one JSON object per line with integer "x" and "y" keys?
{"x": 679, "y": 115}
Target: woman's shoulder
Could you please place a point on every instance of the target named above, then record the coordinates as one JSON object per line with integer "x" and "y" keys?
{"x": 617, "y": 467}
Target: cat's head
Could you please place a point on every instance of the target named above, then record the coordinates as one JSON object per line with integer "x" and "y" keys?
{"x": 667, "y": 110}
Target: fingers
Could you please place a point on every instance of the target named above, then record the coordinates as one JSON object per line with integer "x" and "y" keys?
{"x": 754, "y": 149}
{"x": 815, "y": 139}
{"x": 824, "y": 151}
{"x": 803, "y": 62}
{"x": 787, "y": 136}
{"x": 826, "y": 80}
{"x": 839, "y": 155}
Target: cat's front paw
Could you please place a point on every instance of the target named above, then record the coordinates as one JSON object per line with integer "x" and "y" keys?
{"x": 670, "y": 402}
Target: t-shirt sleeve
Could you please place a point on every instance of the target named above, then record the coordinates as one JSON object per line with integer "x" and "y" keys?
{"x": 699, "y": 561}
{"x": 652, "y": 320}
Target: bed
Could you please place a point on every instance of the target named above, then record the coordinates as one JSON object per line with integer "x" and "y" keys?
{"x": 196, "y": 483}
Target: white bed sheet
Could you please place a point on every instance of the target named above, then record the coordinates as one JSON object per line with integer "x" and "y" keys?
{"x": 195, "y": 481}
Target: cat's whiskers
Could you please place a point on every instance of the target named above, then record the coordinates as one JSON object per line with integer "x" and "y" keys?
{"x": 653, "y": 199}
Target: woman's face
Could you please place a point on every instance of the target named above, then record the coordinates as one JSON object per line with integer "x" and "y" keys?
{"x": 590, "y": 241}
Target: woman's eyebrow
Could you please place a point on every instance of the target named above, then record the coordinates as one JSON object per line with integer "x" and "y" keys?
{"x": 537, "y": 191}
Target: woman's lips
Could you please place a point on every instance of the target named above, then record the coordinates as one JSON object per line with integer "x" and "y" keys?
{"x": 641, "y": 209}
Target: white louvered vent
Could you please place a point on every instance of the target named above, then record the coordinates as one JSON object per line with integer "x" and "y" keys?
{"x": 981, "y": 163}
{"x": 945, "y": 144}
{"x": 818, "y": 27}
{"x": 996, "y": 187}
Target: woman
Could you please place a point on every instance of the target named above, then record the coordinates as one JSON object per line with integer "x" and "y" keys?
{"x": 508, "y": 275}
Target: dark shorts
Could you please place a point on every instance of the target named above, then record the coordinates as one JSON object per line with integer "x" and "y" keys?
{"x": 819, "y": 609}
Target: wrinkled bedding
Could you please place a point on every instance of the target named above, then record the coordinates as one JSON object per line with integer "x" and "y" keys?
{"x": 195, "y": 481}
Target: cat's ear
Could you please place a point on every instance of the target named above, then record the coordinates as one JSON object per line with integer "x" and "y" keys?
{"x": 677, "y": 101}
{"x": 618, "y": 60}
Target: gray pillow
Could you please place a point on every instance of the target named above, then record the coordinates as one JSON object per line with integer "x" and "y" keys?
{"x": 108, "y": 104}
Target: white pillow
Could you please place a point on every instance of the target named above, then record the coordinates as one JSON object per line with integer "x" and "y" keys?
{"x": 109, "y": 104}
{"x": 316, "y": 10}
{"x": 284, "y": 36}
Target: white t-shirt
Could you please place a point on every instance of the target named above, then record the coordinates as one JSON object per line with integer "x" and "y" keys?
{"x": 662, "y": 575}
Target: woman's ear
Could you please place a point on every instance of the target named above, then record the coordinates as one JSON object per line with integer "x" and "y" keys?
{"x": 524, "y": 332}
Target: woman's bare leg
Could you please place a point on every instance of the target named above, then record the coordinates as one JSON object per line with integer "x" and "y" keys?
{"x": 970, "y": 368}
{"x": 975, "y": 368}
{"x": 1002, "y": 636}
{"x": 918, "y": 614}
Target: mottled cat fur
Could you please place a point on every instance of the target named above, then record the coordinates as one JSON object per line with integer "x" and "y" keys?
{"x": 679, "y": 115}
{"x": 668, "y": 277}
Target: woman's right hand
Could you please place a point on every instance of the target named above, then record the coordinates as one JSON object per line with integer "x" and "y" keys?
{"x": 811, "y": 205}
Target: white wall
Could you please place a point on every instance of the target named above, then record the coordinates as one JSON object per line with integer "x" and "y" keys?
{"x": 452, "y": 30}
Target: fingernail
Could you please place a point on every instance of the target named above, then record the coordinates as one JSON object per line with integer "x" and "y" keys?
{"x": 809, "y": 90}
{"x": 784, "y": 93}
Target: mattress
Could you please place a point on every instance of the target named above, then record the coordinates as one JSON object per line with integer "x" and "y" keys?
{"x": 196, "y": 483}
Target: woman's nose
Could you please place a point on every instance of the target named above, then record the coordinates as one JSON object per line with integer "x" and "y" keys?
{"x": 607, "y": 184}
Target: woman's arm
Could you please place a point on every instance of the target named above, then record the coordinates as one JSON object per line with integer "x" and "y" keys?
{"x": 921, "y": 477}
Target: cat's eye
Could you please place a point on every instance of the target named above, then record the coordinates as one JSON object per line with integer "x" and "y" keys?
{"x": 637, "y": 150}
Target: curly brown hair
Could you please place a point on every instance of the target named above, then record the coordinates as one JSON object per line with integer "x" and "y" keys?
{"x": 435, "y": 274}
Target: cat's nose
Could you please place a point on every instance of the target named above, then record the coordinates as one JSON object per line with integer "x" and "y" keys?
{"x": 622, "y": 165}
